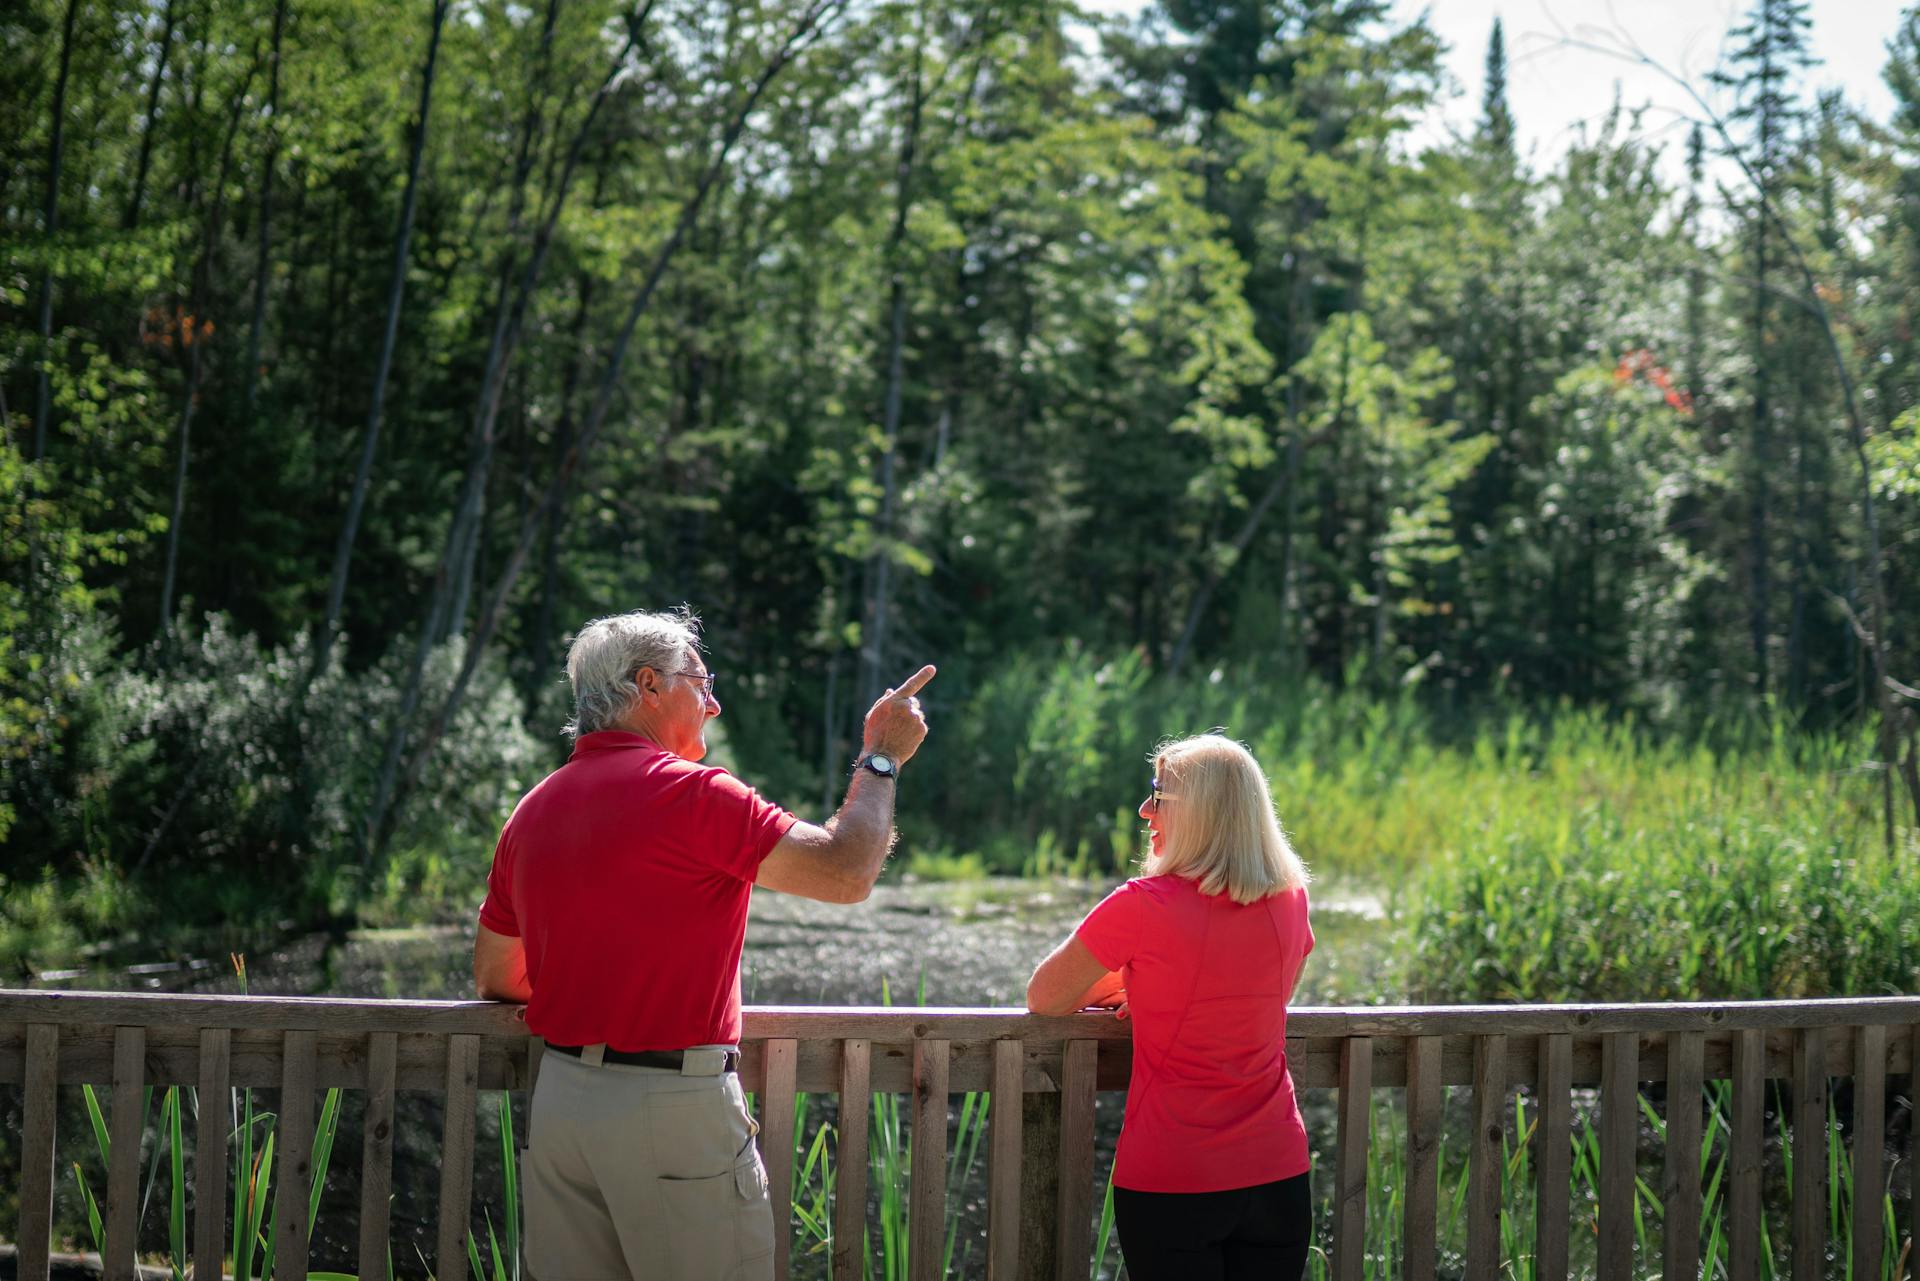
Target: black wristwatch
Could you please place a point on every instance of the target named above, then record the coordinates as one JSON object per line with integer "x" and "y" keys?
{"x": 876, "y": 763}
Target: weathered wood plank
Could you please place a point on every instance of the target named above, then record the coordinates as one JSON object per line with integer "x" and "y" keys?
{"x": 257, "y": 1062}
{"x": 1424, "y": 1094}
{"x": 1744, "y": 1147}
{"x": 1040, "y": 1186}
{"x": 456, "y": 1156}
{"x": 1553, "y": 1162}
{"x": 1809, "y": 1214}
{"x": 376, "y": 1156}
{"x": 1076, "y": 1160}
{"x": 1912, "y": 1040}
{"x": 1680, "y": 1176}
{"x": 35, "y": 1230}
{"x": 1485, "y": 1155}
{"x": 927, "y": 1187}
{"x": 1003, "y": 1164}
{"x": 1619, "y": 1133}
{"x": 1869, "y": 1149}
{"x": 126, "y": 1128}
{"x": 1913, "y": 1154}
{"x": 1350, "y": 1172}
{"x": 851, "y": 1151}
{"x": 776, "y": 1146}
{"x": 293, "y": 1180}
{"x": 491, "y": 1018}
{"x": 210, "y": 1152}
{"x": 173, "y": 1059}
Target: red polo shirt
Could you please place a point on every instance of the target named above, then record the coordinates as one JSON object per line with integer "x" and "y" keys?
{"x": 626, "y": 872}
{"x": 1211, "y": 1103}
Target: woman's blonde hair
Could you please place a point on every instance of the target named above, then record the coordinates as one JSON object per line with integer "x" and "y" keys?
{"x": 1225, "y": 834}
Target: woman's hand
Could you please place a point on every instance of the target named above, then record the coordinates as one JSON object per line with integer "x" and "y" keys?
{"x": 1067, "y": 979}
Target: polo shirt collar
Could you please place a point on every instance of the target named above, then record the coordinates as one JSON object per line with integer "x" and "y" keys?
{"x": 609, "y": 740}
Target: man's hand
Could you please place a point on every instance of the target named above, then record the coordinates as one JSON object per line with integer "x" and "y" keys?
{"x": 839, "y": 861}
{"x": 895, "y": 724}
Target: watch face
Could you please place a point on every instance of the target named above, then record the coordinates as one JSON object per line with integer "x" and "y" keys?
{"x": 880, "y": 764}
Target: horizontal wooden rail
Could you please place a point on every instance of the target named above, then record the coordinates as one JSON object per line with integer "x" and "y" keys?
{"x": 1547, "y": 1053}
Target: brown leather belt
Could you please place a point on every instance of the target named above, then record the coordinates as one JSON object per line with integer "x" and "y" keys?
{"x": 671, "y": 1060}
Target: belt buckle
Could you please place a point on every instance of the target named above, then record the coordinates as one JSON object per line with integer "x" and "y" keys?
{"x": 706, "y": 1061}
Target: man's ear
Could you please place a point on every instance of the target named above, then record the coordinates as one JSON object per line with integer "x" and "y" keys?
{"x": 647, "y": 682}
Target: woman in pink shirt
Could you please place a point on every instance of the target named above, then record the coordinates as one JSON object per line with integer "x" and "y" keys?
{"x": 1202, "y": 951}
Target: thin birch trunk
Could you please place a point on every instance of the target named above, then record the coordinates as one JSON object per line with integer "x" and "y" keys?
{"x": 376, "y": 406}
{"x": 506, "y": 336}
{"x": 193, "y": 330}
{"x": 879, "y": 585}
{"x": 263, "y": 260}
{"x": 43, "y": 384}
{"x": 464, "y": 531}
{"x": 132, "y": 216}
{"x": 392, "y": 791}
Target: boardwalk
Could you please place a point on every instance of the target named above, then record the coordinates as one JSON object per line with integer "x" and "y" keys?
{"x": 1042, "y": 1228}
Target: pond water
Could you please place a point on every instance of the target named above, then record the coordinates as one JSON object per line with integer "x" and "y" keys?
{"x": 930, "y": 943}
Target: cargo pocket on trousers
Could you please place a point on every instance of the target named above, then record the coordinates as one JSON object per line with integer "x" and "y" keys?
{"x": 754, "y": 1209}
{"x": 721, "y": 1227}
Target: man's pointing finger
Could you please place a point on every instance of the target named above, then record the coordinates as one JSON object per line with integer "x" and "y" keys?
{"x": 915, "y": 683}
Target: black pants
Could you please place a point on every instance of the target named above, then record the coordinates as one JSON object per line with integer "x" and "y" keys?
{"x": 1237, "y": 1235}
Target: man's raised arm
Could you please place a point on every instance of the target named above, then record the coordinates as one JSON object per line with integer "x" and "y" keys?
{"x": 840, "y": 861}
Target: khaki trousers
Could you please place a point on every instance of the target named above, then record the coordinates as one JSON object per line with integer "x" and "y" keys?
{"x": 638, "y": 1174}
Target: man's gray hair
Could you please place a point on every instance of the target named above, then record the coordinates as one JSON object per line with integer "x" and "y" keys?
{"x": 608, "y": 653}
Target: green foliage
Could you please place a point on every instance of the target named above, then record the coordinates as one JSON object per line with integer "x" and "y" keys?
{"x": 1635, "y": 870}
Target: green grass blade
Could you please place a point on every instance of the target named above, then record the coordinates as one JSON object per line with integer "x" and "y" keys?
{"x": 100, "y": 1135}
{"x": 322, "y": 1153}
{"x": 177, "y": 1209}
{"x": 257, "y": 1208}
{"x": 93, "y": 1210}
{"x": 1104, "y": 1233}
{"x": 510, "y": 1180}
{"x": 241, "y": 1102}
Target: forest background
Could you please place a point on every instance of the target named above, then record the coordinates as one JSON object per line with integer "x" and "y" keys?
{"x": 1549, "y": 533}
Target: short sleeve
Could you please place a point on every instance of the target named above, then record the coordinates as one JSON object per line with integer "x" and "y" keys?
{"x": 1112, "y": 929}
{"x": 496, "y": 911}
{"x": 747, "y": 825}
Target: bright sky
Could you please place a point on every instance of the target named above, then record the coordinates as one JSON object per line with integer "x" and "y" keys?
{"x": 1554, "y": 87}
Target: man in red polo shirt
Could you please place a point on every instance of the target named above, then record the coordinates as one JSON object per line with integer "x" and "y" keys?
{"x": 616, "y": 911}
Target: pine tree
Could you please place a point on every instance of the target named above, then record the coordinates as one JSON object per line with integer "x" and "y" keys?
{"x": 1771, "y": 48}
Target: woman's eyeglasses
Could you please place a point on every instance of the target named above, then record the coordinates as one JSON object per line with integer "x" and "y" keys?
{"x": 1156, "y": 796}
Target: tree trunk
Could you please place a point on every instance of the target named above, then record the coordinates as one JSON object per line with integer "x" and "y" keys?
{"x": 543, "y": 625}
{"x": 193, "y": 329}
{"x": 391, "y": 791}
{"x": 263, "y": 262}
{"x": 464, "y": 532}
{"x": 506, "y": 336}
{"x": 879, "y": 597}
{"x": 396, "y": 289}
{"x": 43, "y": 385}
{"x": 1758, "y": 578}
{"x": 132, "y": 217}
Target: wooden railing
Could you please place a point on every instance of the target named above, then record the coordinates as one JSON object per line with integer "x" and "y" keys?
{"x": 301, "y": 1046}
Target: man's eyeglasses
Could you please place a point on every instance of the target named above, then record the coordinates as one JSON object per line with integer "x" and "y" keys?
{"x": 705, "y": 679}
